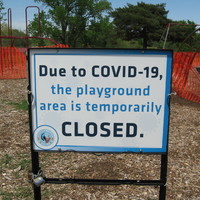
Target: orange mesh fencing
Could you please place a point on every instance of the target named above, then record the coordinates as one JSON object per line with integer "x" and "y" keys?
{"x": 185, "y": 76}
{"x": 12, "y": 63}
{"x": 55, "y": 46}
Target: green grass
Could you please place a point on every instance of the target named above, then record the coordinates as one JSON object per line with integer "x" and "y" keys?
{"x": 22, "y": 105}
{"x": 23, "y": 193}
{"x": 22, "y": 160}
{"x": 5, "y": 195}
{"x": 20, "y": 193}
{"x": 5, "y": 162}
{"x": 6, "y": 159}
{"x": 8, "y": 162}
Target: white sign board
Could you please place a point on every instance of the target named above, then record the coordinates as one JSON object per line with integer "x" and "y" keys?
{"x": 100, "y": 100}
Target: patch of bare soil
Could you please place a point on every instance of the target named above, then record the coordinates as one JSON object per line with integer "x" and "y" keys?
{"x": 183, "y": 161}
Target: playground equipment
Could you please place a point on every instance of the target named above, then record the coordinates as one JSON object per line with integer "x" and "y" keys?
{"x": 13, "y": 59}
{"x": 165, "y": 34}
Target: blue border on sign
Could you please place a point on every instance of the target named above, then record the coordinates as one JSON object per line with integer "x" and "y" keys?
{"x": 109, "y": 52}
{"x": 106, "y": 149}
{"x": 167, "y": 99}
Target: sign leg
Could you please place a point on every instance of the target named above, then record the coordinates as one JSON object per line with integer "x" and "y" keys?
{"x": 162, "y": 195}
{"x": 163, "y": 176}
{"x": 35, "y": 170}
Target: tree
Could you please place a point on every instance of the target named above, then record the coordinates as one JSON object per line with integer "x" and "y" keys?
{"x": 100, "y": 34}
{"x": 1, "y": 9}
{"x": 12, "y": 42}
{"x": 179, "y": 30}
{"x": 67, "y": 20}
{"x": 1, "y": 19}
{"x": 145, "y": 21}
{"x": 45, "y": 30}
{"x": 2, "y": 23}
{"x": 175, "y": 34}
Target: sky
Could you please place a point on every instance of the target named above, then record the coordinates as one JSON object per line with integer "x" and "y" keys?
{"x": 178, "y": 9}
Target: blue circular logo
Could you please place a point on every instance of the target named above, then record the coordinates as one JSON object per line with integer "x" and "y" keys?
{"x": 45, "y": 137}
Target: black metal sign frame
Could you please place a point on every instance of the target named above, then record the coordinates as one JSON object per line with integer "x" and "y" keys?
{"x": 161, "y": 183}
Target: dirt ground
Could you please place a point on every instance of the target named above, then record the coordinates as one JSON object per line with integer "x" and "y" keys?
{"x": 183, "y": 161}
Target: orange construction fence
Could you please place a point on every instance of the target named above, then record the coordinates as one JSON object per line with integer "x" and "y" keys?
{"x": 12, "y": 63}
{"x": 185, "y": 77}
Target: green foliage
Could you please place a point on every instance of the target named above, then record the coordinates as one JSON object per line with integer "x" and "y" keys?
{"x": 182, "y": 36}
{"x": 88, "y": 23}
{"x": 179, "y": 31}
{"x": 13, "y": 42}
{"x": 144, "y": 21}
{"x": 2, "y": 14}
{"x": 67, "y": 21}
{"x": 99, "y": 34}
{"x": 43, "y": 29}
{"x": 120, "y": 43}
